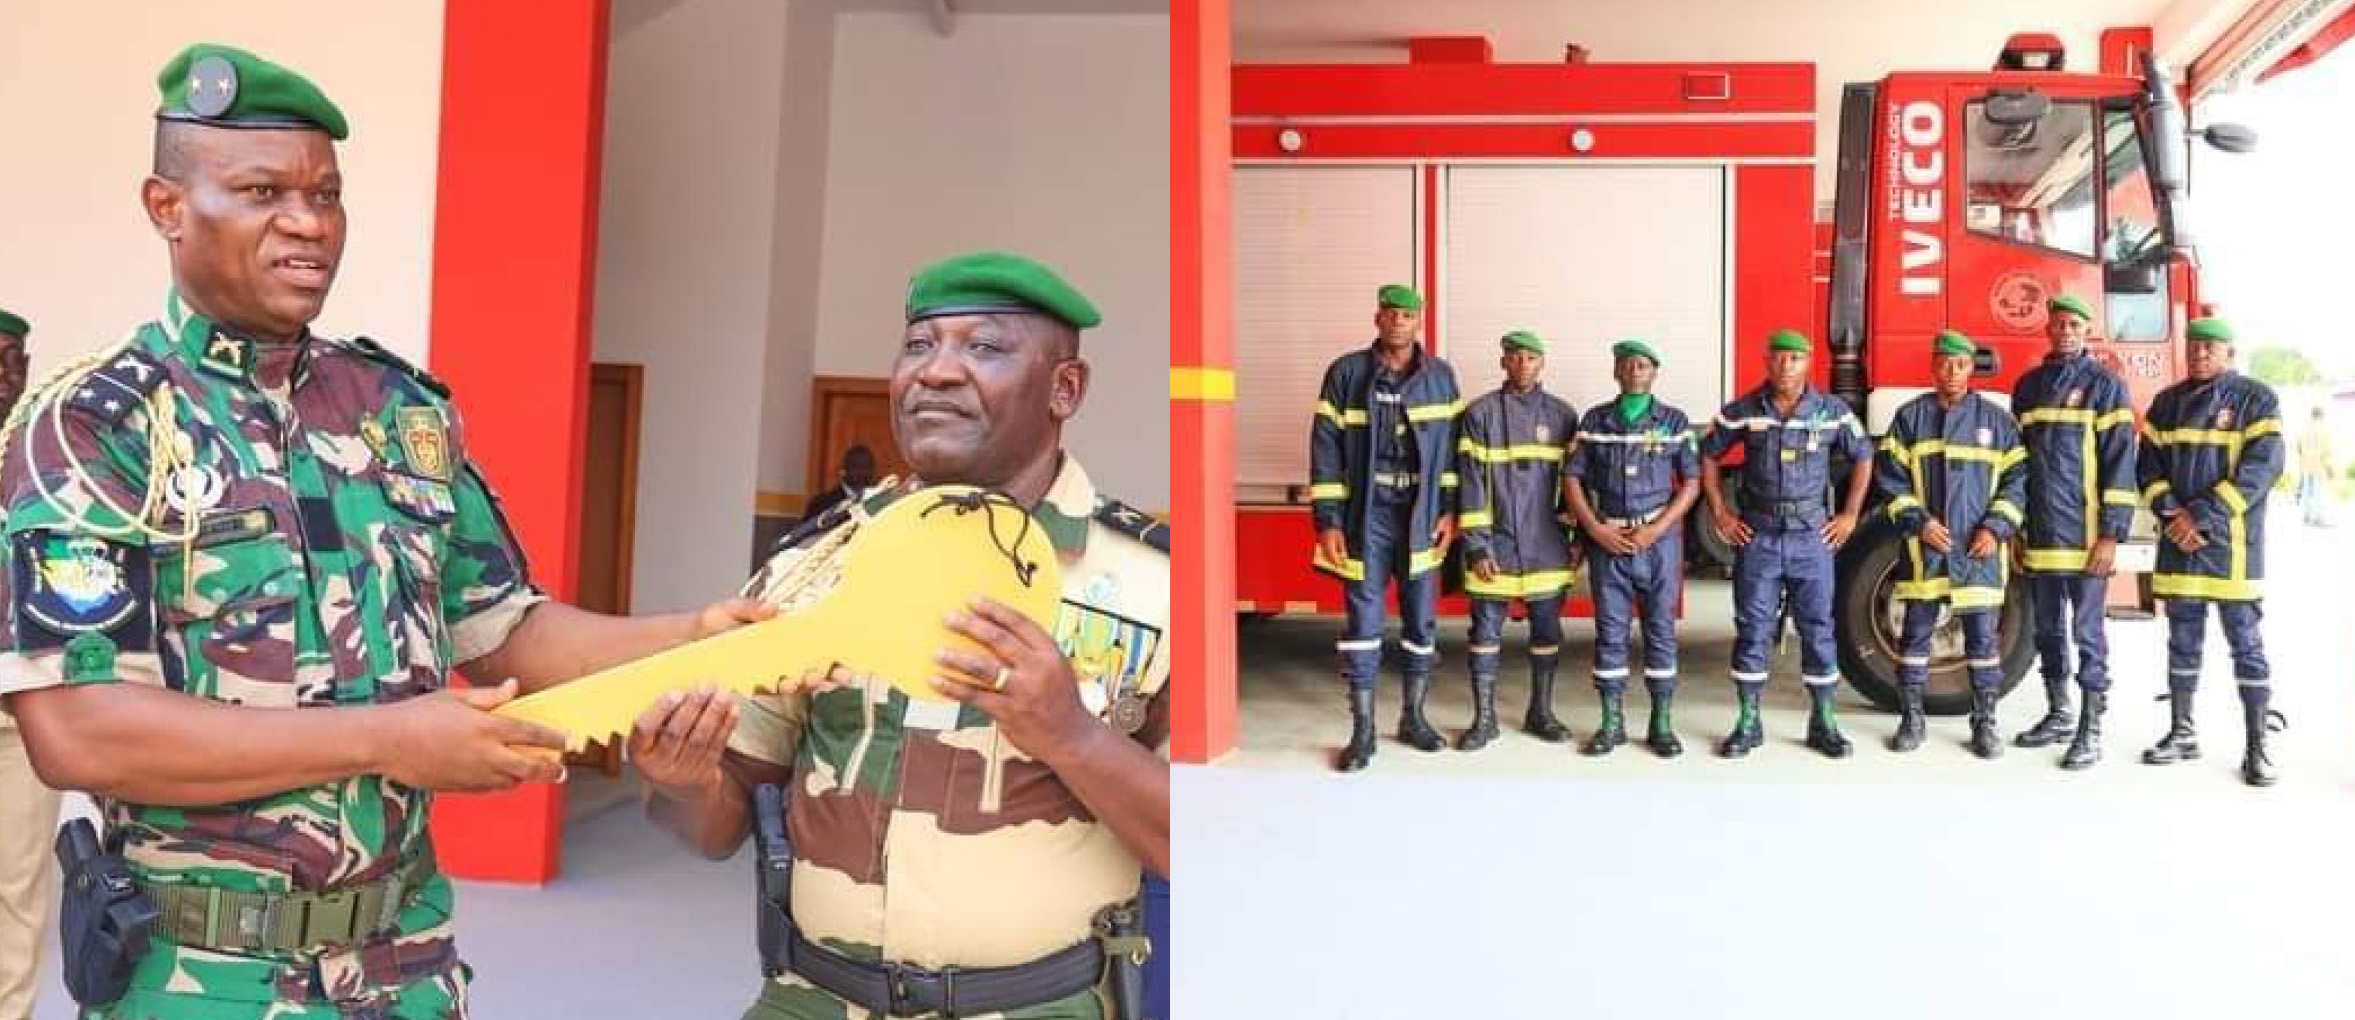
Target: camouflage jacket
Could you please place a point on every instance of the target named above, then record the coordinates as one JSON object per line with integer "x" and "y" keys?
{"x": 344, "y": 553}
{"x": 923, "y": 837}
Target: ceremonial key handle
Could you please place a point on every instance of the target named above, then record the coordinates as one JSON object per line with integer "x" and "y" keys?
{"x": 903, "y": 573}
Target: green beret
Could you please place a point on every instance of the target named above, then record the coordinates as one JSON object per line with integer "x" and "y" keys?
{"x": 2071, "y": 304}
{"x": 1951, "y": 342}
{"x": 2211, "y": 330}
{"x": 1635, "y": 349}
{"x": 995, "y": 281}
{"x": 224, "y": 86}
{"x": 1524, "y": 340}
{"x": 1395, "y": 295}
{"x": 1789, "y": 340}
{"x": 14, "y": 325}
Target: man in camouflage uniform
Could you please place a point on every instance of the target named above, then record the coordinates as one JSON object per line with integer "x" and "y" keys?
{"x": 28, "y": 810}
{"x": 942, "y": 847}
{"x": 226, "y": 518}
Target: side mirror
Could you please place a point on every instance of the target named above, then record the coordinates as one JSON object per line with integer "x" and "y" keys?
{"x": 2008, "y": 108}
{"x": 2234, "y": 138}
{"x": 2138, "y": 277}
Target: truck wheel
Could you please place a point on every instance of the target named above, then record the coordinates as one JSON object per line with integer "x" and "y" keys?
{"x": 1868, "y": 618}
{"x": 1709, "y": 546}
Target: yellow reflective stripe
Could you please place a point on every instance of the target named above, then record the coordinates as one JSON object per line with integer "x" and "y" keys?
{"x": 2086, "y": 456}
{"x": 1957, "y": 451}
{"x": 2231, "y": 497}
{"x": 2238, "y": 539}
{"x": 2269, "y": 426}
{"x": 1920, "y": 591}
{"x": 2121, "y": 416}
{"x": 2012, "y": 458}
{"x": 2197, "y": 437}
{"x": 2118, "y": 497}
{"x": 1448, "y": 480}
{"x": 2057, "y": 416}
{"x": 1355, "y": 416}
{"x": 1507, "y": 454}
{"x": 1901, "y": 504}
{"x": 2197, "y": 586}
{"x": 1353, "y": 569}
{"x": 1328, "y": 490}
{"x": 1470, "y": 519}
{"x": 1422, "y": 562}
{"x": 1897, "y": 451}
{"x": 1534, "y": 584}
{"x": 1433, "y": 412}
{"x": 1975, "y": 597}
{"x": 2003, "y": 508}
{"x": 2152, "y": 492}
{"x": 2055, "y": 559}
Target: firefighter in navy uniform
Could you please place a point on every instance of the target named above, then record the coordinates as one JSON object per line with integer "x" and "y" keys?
{"x": 2211, "y": 449}
{"x": 1786, "y": 530}
{"x": 1381, "y": 456}
{"x": 2077, "y": 422}
{"x": 1955, "y": 474}
{"x": 1510, "y": 449}
{"x": 1634, "y": 473}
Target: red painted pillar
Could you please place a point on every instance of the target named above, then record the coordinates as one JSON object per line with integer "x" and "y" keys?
{"x": 514, "y": 257}
{"x": 1201, "y": 386}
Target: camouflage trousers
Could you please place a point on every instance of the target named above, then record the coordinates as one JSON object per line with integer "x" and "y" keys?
{"x": 174, "y": 982}
{"x": 792, "y": 998}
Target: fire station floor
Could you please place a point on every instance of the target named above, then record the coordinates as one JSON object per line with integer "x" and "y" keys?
{"x": 1931, "y": 884}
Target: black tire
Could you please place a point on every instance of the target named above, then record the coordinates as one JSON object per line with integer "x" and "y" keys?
{"x": 1866, "y": 618}
{"x": 1708, "y": 546}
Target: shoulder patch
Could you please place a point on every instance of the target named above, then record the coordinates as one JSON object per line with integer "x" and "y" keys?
{"x": 119, "y": 386}
{"x": 1134, "y": 523}
{"x": 376, "y": 352}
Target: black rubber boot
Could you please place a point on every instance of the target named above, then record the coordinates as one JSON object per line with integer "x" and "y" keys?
{"x": 2180, "y": 743}
{"x": 1985, "y": 742}
{"x": 2056, "y": 725}
{"x": 1539, "y": 721}
{"x": 1483, "y": 715}
{"x": 1413, "y": 728}
{"x": 1747, "y": 734}
{"x": 2259, "y": 719}
{"x": 1661, "y": 734}
{"x": 2086, "y": 749}
{"x": 1612, "y": 732}
{"x": 1823, "y": 732}
{"x": 1361, "y": 732}
{"x": 1912, "y": 724}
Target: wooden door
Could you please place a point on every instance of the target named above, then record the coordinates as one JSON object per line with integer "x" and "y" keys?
{"x": 609, "y": 503}
{"x": 846, "y": 412}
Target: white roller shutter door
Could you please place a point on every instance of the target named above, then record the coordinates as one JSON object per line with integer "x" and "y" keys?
{"x": 1586, "y": 256}
{"x": 1312, "y": 244}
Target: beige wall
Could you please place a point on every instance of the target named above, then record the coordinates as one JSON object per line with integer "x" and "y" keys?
{"x": 77, "y": 98}
{"x": 1045, "y": 134}
{"x": 692, "y": 117}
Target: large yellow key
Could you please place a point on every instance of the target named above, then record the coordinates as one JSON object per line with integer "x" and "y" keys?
{"x": 903, "y": 573}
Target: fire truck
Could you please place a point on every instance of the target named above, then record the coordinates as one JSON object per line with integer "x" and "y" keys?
{"x": 1677, "y": 203}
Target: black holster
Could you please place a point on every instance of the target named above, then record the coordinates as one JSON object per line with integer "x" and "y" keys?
{"x": 772, "y": 879}
{"x": 103, "y": 917}
{"x": 1121, "y": 930}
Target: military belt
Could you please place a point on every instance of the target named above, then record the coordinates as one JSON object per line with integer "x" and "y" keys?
{"x": 895, "y": 989}
{"x": 1398, "y": 480}
{"x": 1636, "y": 521}
{"x": 229, "y": 921}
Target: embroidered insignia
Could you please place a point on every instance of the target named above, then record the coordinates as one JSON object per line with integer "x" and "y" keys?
{"x": 425, "y": 442}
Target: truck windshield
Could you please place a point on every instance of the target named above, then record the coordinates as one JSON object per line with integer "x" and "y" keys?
{"x": 2033, "y": 183}
{"x": 2136, "y": 233}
